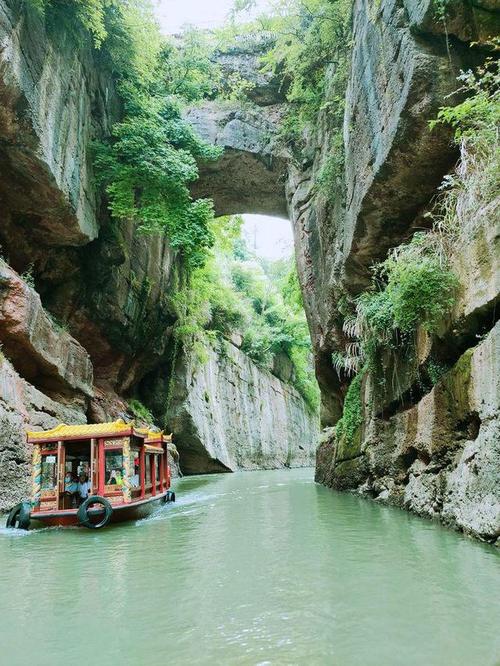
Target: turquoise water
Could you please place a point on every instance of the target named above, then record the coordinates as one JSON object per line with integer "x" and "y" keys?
{"x": 251, "y": 568}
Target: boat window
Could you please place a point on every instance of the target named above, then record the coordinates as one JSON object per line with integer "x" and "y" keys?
{"x": 49, "y": 472}
{"x": 114, "y": 467}
{"x": 148, "y": 470}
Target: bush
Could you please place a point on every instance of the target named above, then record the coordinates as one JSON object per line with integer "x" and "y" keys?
{"x": 352, "y": 414}
{"x": 140, "y": 412}
{"x": 420, "y": 290}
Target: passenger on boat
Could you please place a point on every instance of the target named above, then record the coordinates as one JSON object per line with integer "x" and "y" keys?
{"x": 71, "y": 487}
{"x": 112, "y": 478}
{"x": 84, "y": 488}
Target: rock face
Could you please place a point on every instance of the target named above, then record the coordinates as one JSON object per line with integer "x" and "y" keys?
{"x": 23, "y": 407}
{"x": 85, "y": 304}
{"x": 54, "y": 102}
{"x": 250, "y": 176}
{"x": 228, "y": 414}
{"x": 41, "y": 350}
{"x": 431, "y": 450}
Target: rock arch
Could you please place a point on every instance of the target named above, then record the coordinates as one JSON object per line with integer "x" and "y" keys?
{"x": 250, "y": 177}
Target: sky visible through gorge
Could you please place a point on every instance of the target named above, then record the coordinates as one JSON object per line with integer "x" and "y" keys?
{"x": 269, "y": 237}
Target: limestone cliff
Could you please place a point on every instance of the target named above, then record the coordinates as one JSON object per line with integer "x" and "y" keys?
{"x": 431, "y": 450}
{"x": 229, "y": 414}
{"x": 85, "y": 304}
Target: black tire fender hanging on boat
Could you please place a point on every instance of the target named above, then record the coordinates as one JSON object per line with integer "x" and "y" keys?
{"x": 83, "y": 512}
{"x": 170, "y": 496}
{"x": 19, "y": 516}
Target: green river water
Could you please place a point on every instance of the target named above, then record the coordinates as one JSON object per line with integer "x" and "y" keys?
{"x": 251, "y": 568}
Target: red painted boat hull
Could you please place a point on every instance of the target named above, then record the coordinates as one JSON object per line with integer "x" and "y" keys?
{"x": 121, "y": 513}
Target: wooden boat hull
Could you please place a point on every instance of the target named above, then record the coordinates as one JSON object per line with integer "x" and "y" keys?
{"x": 121, "y": 513}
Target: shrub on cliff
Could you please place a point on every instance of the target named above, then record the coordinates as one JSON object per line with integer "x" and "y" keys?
{"x": 147, "y": 168}
{"x": 352, "y": 414}
{"x": 414, "y": 287}
{"x": 475, "y": 183}
{"x": 148, "y": 163}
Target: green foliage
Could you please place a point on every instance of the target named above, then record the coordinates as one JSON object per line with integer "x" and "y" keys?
{"x": 28, "y": 276}
{"x": 77, "y": 15}
{"x": 476, "y": 181}
{"x": 189, "y": 67}
{"x": 352, "y": 414}
{"x": 134, "y": 45}
{"x": 478, "y": 116}
{"x": 193, "y": 72}
{"x": 290, "y": 289}
{"x": 233, "y": 294}
{"x": 418, "y": 290}
{"x": 151, "y": 159}
{"x": 440, "y": 7}
{"x": 140, "y": 412}
{"x": 208, "y": 307}
{"x": 307, "y": 38}
{"x": 435, "y": 370}
{"x": 147, "y": 170}
{"x": 332, "y": 172}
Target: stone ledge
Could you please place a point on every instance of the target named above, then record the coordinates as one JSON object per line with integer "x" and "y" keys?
{"x": 42, "y": 352}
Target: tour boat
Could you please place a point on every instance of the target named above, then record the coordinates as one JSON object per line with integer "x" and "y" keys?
{"x": 126, "y": 469}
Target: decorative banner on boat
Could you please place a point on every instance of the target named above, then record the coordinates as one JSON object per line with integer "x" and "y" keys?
{"x": 127, "y": 491}
{"x": 36, "y": 475}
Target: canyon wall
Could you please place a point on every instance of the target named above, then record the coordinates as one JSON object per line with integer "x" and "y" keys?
{"x": 430, "y": 449}
{"x": 85, "y": 307}
{"x": 85, "y": 303}
{"x": 228, "y": 414}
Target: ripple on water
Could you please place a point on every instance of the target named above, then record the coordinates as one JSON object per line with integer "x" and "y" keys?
{"x": 251, "y": 568}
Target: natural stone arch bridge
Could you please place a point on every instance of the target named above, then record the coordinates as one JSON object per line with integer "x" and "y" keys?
{"x": 250, "y": 177}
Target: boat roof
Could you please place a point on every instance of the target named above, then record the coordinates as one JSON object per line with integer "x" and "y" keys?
{"x": 92, "y": 430}
{"x": 154, "y": 435}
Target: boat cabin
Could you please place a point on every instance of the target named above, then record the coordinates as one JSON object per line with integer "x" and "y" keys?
{"x": 122, "y": 463}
